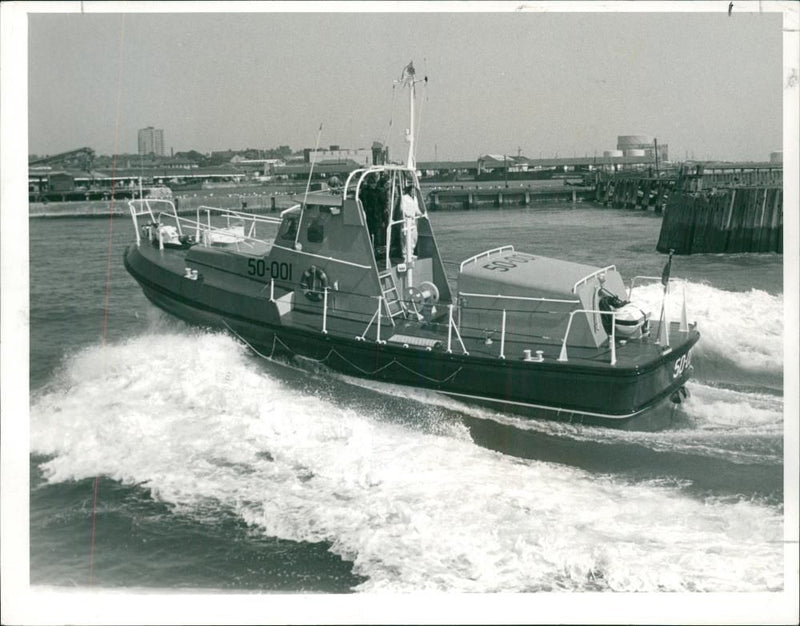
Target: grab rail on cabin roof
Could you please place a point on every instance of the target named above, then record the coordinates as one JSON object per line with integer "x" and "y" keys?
{"x": 488, "y": 253}
{"x": 521, "y": 298}
{"x": 592, "y": 275}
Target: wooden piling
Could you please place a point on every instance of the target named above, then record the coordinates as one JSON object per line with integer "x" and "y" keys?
{"x": 738, "y": 219}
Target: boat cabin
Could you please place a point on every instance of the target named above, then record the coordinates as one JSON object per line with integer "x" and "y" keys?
{"x": 531, "y": 296}
{"x": 353, "y": 242}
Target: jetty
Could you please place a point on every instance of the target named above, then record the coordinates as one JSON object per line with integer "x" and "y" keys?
{"x": 725, "y": 209}
{"x": 466, "y": 197}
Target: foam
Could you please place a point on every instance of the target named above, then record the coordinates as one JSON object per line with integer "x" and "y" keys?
{"x": 714, "y": 423}
{"x": 194, "y": 419}
{"x": 741, "y": 328}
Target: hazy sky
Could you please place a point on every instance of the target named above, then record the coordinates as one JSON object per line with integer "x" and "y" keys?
{"x": 541, "y": 83}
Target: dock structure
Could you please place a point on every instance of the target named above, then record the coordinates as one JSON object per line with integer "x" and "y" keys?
{"x": 634, "y": 191}
{"x": 732, "y": 219}
{"x": 498, "y": 196}
{"x": 725, "y": 209}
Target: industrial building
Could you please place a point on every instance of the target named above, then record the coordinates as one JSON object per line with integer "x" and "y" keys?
{"x": 364, "y": 157}
{"x": 640, "y": 146}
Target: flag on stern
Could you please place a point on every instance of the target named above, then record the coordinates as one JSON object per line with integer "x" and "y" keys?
{"x": 667, "y": 269}
{"x": 663, "y": 324}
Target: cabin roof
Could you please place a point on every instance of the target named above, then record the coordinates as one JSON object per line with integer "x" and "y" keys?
{"x": 537, "y": 274}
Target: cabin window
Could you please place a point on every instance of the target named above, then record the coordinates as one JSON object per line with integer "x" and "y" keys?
{"x": 289, "y": 228}
{"x": 316, "y": 231}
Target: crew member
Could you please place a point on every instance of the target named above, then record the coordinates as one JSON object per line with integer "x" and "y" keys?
{"x": 410, "y": 208}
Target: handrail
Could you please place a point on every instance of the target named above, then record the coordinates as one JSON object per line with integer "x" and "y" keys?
{"x": 563, "y": 355}
{"x": 377, "y": 314}
{"x": 451, "y": 326}
{"x": 363, "y": 171}
{"x": 324, "y": 258}
{"x": 325, "y": 312}
{"x": 145, "y": 209}
{"x": 484, "y": 254}
{"x": 200, "y": 227}
{"x": 267, "y": 219}
{"x": 523, "y": 298}
{"x": 144, "y": 206}
{"x": 503, "y": 337}
{"x": 592, "y": 275}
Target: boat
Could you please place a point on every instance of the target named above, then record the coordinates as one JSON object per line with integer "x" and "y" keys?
{"x": 339, "y": 279}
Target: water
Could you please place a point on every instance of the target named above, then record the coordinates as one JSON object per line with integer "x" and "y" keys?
{"x": 219, "y": 470}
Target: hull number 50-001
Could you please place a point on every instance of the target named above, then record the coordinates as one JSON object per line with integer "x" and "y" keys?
{"x": 275, "y": 270}
{"x": 682, "y": 364}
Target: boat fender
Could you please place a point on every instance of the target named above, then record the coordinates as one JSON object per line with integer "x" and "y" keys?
{"x": 314, "y": 282}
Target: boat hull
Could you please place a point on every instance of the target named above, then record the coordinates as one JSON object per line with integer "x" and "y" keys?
{"x": 595, "y": 393}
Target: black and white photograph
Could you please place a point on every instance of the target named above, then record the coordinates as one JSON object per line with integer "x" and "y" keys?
{"x": 400, "y": 312}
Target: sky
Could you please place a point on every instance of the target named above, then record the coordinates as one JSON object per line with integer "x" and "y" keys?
{"x": 539, "y": 84}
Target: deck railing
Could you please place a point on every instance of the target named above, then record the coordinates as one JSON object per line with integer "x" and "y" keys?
{"x": 612, "y": 339}
{"x": 505, "y": 311}
{"x": 163, "y": 211}
{"x": 377, "y": 315}
{"x": 142, "y": 207}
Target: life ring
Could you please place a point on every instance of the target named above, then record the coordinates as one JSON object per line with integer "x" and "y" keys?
{"x": 314, "y": 282}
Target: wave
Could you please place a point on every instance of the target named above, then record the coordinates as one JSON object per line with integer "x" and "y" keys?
{"x": 737, "y": 427}
{"x": 197, "y": 421}
{"x": 739, "y": 330}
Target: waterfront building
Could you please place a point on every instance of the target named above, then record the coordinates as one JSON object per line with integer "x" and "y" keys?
{"x": 151, "y": 141}
{"x": 362, "y": 156}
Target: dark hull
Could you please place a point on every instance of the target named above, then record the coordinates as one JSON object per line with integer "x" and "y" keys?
{"x": 589, "y": 392}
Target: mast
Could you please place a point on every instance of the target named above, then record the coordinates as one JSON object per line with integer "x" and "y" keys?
{"x": 410, "y": 138}
{"x": 408, "y": 77}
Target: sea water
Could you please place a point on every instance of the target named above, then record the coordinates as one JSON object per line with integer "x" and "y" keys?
{"x": 208, "y": 467}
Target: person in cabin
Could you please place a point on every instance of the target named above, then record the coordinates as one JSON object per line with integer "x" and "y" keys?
{"x": 410, "y": 208}
{"x": 381, "y": 210}
{"x": 371, "y": 205}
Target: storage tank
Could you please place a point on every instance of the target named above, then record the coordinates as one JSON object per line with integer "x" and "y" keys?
{"x": 612, "y": 153}
{"x": 634, "y": 152}
{"x": 776, "y": 157}
{"x": 625, "y": 142}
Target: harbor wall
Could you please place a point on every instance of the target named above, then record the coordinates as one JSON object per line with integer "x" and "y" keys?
{"x": 634, "y": 192}
{"x": 253, "y": 202}
{"x": 733, "y": 219}
{"x": 483, "y": 198}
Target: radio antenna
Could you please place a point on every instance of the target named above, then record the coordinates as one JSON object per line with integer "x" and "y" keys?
{"x": 313, "y": 160}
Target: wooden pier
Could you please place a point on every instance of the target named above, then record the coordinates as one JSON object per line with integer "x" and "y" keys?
{"x": 708, "y": 208}
{"x": 732, "y": 219}
{"x": 634, "y": 192}
{"x": 483, "y": 198}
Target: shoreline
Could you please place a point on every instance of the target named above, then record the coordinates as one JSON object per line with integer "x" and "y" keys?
{"x": 263, "y": 200}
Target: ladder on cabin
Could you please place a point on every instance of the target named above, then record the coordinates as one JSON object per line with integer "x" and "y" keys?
{"x": 391, "y": 296}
